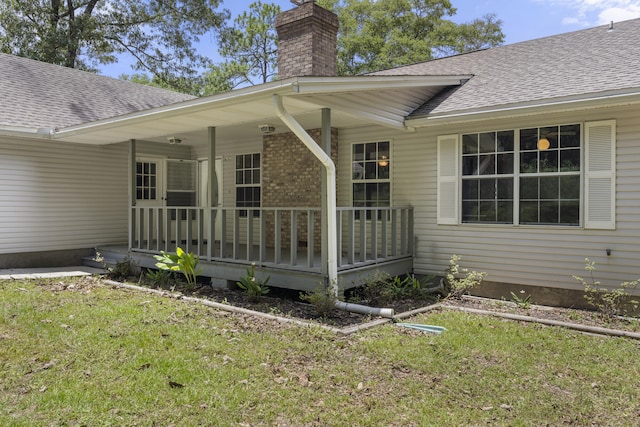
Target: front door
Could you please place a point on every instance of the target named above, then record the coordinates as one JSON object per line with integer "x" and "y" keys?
{"x": 149, "y": 182}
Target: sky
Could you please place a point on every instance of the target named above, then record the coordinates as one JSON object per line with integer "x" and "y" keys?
{"x": 521, "y": 19}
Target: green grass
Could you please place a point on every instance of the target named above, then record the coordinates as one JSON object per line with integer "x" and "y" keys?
{"x": 97, "y": 356}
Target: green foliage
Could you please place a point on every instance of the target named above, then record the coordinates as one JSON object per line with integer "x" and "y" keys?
{"x": 158, "y": 277}
{"x": 181, "y": 261}
{"x": 249, "y": 47}
{"x": 254, "y": 287}
{"x": 521, "y": 302}
{"x": 322, "y": 299}
{"x": 159, "y": 35}
{"x": 459, "y": 281}
{"x": 381, "y": 288}
{"x": 125, "y": 269}
{"x": 382, "y": 34}
{"x": 608, "y": 301}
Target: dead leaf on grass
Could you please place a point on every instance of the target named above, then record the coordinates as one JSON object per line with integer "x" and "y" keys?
{"x": 174, "y": 384}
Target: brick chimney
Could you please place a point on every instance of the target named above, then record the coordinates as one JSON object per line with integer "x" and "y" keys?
{"x": 307, "y": 41}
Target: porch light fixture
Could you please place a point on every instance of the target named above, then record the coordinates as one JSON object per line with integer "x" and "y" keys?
{"x": 543, "y": 144}
{"x": 383, "y": 162}
{"x": 174, "y": 140}
{"x": 267, "y": 128}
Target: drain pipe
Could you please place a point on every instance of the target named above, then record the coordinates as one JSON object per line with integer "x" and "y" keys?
{"x": 332, "y": 229}
{"x": 316, "y": 150}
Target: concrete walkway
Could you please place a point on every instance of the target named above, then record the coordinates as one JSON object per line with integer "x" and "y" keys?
{"x": 48, "y": 272}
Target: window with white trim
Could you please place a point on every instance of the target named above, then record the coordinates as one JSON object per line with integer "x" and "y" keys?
{"x": 248, "y": 188}
{"x": 371, "y": 177}
{"x": 534, "y": 172}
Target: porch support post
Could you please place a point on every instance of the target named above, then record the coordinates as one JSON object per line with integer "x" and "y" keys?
{"x": 132, "y": 189}
{"x": 325, "y": 143}
{"x": 212, "y": 199}
{"x": 330, "y": 210}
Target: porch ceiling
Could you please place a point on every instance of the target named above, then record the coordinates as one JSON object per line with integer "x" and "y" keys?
{"x": 355, "y": 101}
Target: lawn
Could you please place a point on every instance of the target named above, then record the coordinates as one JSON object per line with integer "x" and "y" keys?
{"x": 79, "y": 352}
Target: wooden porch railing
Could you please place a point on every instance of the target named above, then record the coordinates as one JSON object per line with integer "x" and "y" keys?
{"x": 282, "y": 237}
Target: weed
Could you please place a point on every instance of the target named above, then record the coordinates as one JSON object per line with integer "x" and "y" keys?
{"x": 521, "y": 302}
{"x": 181, "y": 261}
{"x": 459, "y": 281}
{"x": 609, "y": 302}
{"x": 322, "y": 299}
{"x": 254, "y": 287}
{"x": 158, "y": 277}
{"x": 124, "y": 269}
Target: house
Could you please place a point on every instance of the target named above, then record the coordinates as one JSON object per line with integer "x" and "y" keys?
{"x": 523, "y": 159}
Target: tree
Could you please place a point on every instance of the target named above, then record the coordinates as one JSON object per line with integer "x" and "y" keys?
{"x": 159, "y": 34}
{"x": 249, "y": 47}
{"x": 381, "y": 34}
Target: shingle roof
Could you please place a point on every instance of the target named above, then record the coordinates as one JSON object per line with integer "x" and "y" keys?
{"x": 40, "y": 95}
{"x": 568, "y": 65}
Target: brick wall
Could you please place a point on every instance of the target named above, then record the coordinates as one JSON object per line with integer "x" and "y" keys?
{"x": 307, "y": 41}
{"x": 291, "y": 177}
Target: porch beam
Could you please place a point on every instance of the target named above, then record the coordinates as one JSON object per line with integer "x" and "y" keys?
{"x": 212, "y": 196}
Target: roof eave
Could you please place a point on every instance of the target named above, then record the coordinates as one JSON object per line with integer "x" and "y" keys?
{"x": 584, "y": 102}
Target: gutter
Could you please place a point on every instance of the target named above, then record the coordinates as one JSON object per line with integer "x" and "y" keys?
{"x": 27, "y": 132}
{"x": 330, "y": 167}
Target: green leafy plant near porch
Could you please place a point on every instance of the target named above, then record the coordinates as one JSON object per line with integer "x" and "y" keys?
{"x": 609, "y": 302}
{"x": 322, "y": 299}
{"x": 254, "y": 287}
{"x": 181, "y": 261}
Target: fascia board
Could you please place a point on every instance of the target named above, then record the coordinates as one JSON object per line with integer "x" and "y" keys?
{"x": 315, "y": 85}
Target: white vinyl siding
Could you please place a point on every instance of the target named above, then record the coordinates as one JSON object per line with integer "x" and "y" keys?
{"x": 546, "y": 255}
{"x": 600, "y": 176}
{"x": 58, "y": 196}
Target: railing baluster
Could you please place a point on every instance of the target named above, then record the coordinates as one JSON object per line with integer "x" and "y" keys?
{"x": 310, "y": 238}
{"x": 263, "y": 236}
{"x": 403, "y": 235}
{"x": 277, "y": 237}
{"x": 223, "y": 238}
{"x": 363, "y": 236}
{"x": 351, "y": 256}
{"x": 236, "y": 234}
{"x": 339, "y": 237}
{"x": 293, "y": 254}
{"x": 385, "y": 223}
{"x": 374, "y": 233}
{"x": 250, "y": 235}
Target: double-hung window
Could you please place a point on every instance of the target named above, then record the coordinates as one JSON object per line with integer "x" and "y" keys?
{"x": 248, "y": 187}
{"x": 549, "y": 175}
{"x": 371, "y": 179}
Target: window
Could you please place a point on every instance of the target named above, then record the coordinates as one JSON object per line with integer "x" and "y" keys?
{"x": 534, "y": 172}
{"x": 371, "y": 179}
{"x": 248, "y": 182}
{"x": 146, "y": 180}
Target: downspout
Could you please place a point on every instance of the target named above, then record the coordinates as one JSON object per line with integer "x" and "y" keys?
{"x": 332, "y": 228}
{"x": 330, "y": 167}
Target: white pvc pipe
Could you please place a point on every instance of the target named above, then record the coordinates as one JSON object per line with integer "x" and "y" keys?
{"x": 363, "y": 309}
{"x": 325, "y": 159}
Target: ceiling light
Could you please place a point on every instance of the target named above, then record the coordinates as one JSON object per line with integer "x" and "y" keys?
{"x": 543, "y": 144}
{"x": 267, "y": 128}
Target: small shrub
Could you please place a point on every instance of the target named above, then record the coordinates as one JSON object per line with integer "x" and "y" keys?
{"x": 181, "y": 261}
{"x": 254, "y": 287}
{"x": 609, "y": 302}
{"x": 382, "y": 288}
{"x": 158, "y": 277}
{"x": 125, "y": 269}
{"x": 322, "y": 299}
{"x": 459, "y": 281}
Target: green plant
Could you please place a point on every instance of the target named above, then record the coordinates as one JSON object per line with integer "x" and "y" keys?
{"x": 609, "y": 302}
{"x": 382, "y": 289}
{"x": 521, "y": 302}
{"x": 322, "y": 299}
{"x": 124, "y": 269}
{"x": 158, "y": 277}
{"x": 254, "y": 287}
{"x": 458, "y": 281}
{"x": 181, "y": 261}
